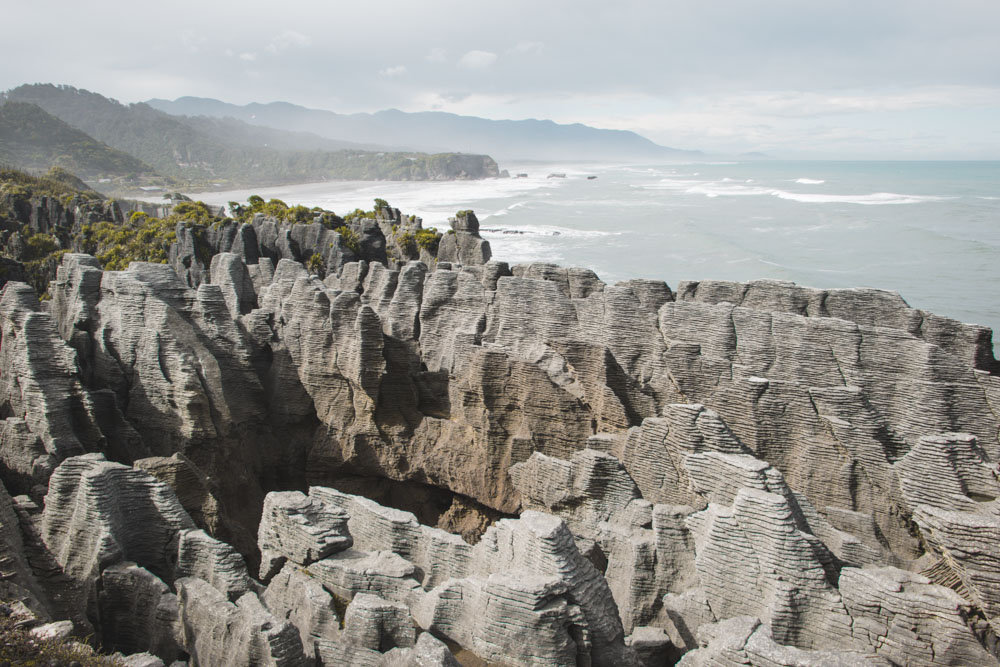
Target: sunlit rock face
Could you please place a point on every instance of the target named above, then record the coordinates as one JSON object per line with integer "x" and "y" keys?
{"x": 749, "y": 473}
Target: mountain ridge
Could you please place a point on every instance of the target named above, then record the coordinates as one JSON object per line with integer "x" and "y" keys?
{"x": 200, "y": 150}
{"x": 34, "y": 139}
{"x": 438, "y": 130}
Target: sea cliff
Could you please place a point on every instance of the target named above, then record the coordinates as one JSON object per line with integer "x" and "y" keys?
{"x": 231, "y": 458}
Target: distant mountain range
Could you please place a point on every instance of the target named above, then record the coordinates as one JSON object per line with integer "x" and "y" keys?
{"x": 33, "y": 139}
{"x": 228, "y": 151}
{"x": 438, "y": 131}
{"x": 194, "y": 142}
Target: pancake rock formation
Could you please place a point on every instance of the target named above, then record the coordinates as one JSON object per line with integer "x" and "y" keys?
{"x": 424, "y": 456}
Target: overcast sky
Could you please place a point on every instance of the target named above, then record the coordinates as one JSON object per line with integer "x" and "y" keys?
{"x": 792, "y": 78}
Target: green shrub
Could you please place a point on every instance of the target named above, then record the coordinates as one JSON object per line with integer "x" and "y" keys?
{"x": 18, "y": 647}
{"x": 39, "y": 246}
{"x": 349, "y": 238}
{"x": 142, "y": 239}
{"x": 428, "y": 239}
{"x": 316, "y": 265}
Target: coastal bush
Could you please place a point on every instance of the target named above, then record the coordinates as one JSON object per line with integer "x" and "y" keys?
{"x": 142, "y": 239}
{"x": 39, "y": 246}
{"x": 19, "y": 647}
{"x": 349, "y": 238}
{"x": 406, "y": 241}
{"x": 428, "y": 239}
{"x": 316, "y": 264}
{"x": 193, "y": 212}
{"x": 359, "y": 213}
{"x": 299, "y": 214}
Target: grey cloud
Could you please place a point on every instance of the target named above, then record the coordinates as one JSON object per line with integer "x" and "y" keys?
{"x": 329, "y": 55}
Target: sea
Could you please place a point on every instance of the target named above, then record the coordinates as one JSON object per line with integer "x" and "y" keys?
{"x": 928, "y": 230}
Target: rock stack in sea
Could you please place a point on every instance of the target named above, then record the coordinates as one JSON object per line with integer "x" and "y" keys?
{"x": 229, "y": 460}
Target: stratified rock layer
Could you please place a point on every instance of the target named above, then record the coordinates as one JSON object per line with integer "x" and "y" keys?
{"x": 757, "y": 473}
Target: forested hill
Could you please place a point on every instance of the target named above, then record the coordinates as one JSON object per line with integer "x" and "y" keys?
{"x": 435, "y": 130}
{"x": 34, "y": 139}
{"x": 227, "y": 151}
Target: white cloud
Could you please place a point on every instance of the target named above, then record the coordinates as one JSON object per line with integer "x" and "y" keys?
{"x": 477, "y": 60}
{"x": 471, "y": 104}
{"x": 288, "y": 39}
{"x": 398, "y": 70}
{"x": 249, "y": 57}
{"x": 437, "y": 55}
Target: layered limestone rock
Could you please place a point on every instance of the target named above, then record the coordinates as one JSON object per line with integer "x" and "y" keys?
{"x": 296, "y": 596}
{"x": 216, "y": 631}
{"x": 48, "y": 414}
{"x": 678, "y": 460}
{"x": 401, "y": 573}
{"x": 427, "y": 652}
{"x": 905, "y": 618}
{"x": 300, "y": 529}
{"x": 953, "y": 490}
{"x": 744, "y": 640}
{"x": 98, "y": 513}
{"x": 439, "y": 555}
{"x": 139, "y": 613}
{"x": 462, "y": 244}
{"x": 17, "y": 580}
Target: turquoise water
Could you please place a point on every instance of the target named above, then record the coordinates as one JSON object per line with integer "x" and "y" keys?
{"x": 929, "y": 230}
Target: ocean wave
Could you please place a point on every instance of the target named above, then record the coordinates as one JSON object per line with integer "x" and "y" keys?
{"x": 874, "y": 199}
{"x": 712, "y": 189}
{"x": 497, "y": 231}
{"x": 810, "y": 181}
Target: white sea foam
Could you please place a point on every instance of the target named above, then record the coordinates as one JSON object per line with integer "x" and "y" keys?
{"x": 490, "y": 232}
{"x": 874, "y": 199}
{"x": 724, "y": 188}
{"x": 810, "y": 181}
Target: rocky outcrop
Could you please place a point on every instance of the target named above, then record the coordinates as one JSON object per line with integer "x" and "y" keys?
{"x": 462, "y": 244}
{"x": 751, "y": 473}
{"x": 216, "y": 631}
{"x": 299, "y": 529}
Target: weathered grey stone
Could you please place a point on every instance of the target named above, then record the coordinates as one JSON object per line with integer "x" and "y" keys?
{"x": 652, "y": 646}
{"x": 17, "y": 580}
{"x": 39, "y": 386}
{"x": 138, "y": 612}
{"x": 382, "y": 573}
{"x": 905, "y": 618}
{"x": 377, "y": 624}
{"x": 436, "y": 554}
{"x": 229, "y": 272}
{"x": 216, "y": 631}
{"x": 463, "y": 245}
{"x": 743, "y": 640}
{"x": 752, "y": 559}
{"x": 428, "y": 652}
{"x": 202, "y": 556}
{"x": 98, "y": 513}
{"x": 295, "y": 595}
{"x": 301, "y": 529}
{"x": 953, "y": 491}
{"x": 142, "y": 660}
